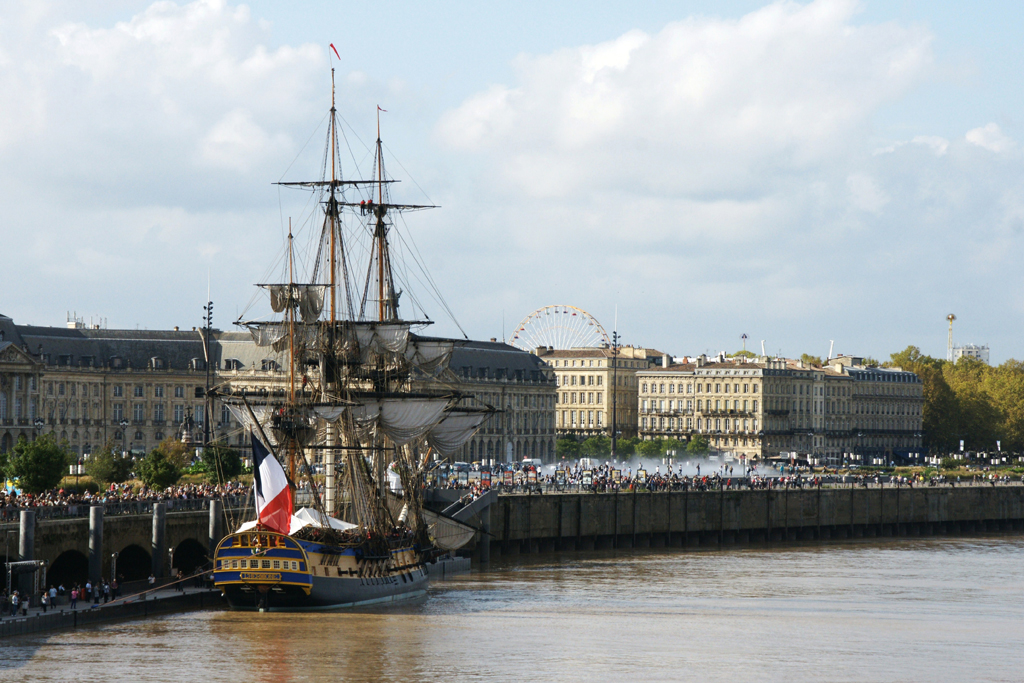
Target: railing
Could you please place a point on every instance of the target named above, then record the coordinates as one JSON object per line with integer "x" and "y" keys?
{"x": 118, "y": 508}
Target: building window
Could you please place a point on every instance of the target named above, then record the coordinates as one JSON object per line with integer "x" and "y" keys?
{"x": 118, "y": 391}
{"x": 225, "y": 415}
{"x": 179, "y": 413}
{"x": 643, "y": 422}
{"x": 60, "y": 389}
{"x": 138, "y": 391}
{"x": 158, "y": 391}
{"x": 179, "y": 392}
{"x": 600, "y": 414}
{"x": 158, "y": 412}
{"x": 118, "y": 412}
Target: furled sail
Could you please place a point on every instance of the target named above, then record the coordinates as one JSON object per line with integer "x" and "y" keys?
{"x": 242, "y": 416}
{"x": 381, "y": 338}
{"x": 308, "y": 299}
{"x": 429, "y": 354}
{"x": 401, "y": 419}
{"x": 447, "y": 533}
{"x": 329, "y": 413}
{"x": 268, "y": 334}
{"x": 455, "y": 430}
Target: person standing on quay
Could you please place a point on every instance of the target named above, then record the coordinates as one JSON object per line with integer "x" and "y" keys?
{"x": 74, "y": 597}
{"x": 14, "y": 604}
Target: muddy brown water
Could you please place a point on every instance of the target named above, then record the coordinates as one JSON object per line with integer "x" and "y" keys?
{"x": 897, "y": 610}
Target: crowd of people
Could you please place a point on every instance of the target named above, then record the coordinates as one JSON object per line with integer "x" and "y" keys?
{"x": 612, "y": 478}
{"x": 11, "y": 501}
{"x": 89, "y": 594}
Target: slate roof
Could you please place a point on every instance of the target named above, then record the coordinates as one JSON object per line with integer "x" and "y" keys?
{"x": 496, "y": 360}
{"x": 135, "y": 348}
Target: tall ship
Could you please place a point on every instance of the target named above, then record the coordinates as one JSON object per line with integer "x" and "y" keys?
{"x": 368, "y": 405}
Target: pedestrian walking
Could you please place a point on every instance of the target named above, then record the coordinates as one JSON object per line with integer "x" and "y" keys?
{"x": 44, "y": 600}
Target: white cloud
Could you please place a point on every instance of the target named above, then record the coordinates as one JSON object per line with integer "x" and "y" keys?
{"x": 705, "y": 105}
{"x": 990, "y": 137}
{"x": 865, "y": 194}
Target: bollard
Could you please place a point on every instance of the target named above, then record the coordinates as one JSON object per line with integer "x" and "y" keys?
{"x": 216, "y": 526}
{"x": 95, "y": 543}
{"x": 26, "y": 548}
{"x": 159, "y": 545}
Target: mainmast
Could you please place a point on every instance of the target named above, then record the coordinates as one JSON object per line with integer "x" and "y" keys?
{"x": 332, "y": 206}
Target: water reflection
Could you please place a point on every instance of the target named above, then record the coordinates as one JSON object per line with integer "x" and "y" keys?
{"x": 935, "y": 609}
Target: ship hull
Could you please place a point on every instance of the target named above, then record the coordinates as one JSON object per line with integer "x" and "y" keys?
{"x": 275, "y": 572}
{"x": 328, "y": 594}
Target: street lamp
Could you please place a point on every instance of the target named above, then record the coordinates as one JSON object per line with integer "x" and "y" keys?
{"x": 124, "y": 438}
{"x": 113, "y": 566}
{"x": 615, "y": 388}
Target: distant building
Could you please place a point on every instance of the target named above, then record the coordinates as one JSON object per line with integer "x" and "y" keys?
{"x": 770, "y": 408}
{"x": 971, "y": 351}
{"x": 521, "y": 387}
{"x": 585, "y": 377}
{"x": 134, "y": 388}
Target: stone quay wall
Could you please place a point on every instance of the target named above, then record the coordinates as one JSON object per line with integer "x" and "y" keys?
{"x": 521, "y": 523}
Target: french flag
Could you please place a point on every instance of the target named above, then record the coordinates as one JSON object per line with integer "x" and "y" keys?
{"x": 273, "y": 495}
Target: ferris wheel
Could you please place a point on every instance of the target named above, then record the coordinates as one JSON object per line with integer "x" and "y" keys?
{"x": 560, "y": 327}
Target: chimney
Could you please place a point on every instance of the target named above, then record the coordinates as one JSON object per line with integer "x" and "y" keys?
{"x": 494, "y": 339}
{"x": 701, "y": 360}
{"x": 664, "y": 360}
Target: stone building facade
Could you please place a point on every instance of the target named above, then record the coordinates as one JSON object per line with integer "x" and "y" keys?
{"x": 517, "y": 384}
{"x": 134, "y": 388}
{"x": 585, "y": 377}
{"x": 771, "y": 408}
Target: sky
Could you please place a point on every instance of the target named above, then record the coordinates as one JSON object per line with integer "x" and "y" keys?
{"x": 799, "y": 172}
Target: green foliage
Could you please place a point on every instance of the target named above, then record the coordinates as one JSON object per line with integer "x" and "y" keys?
{"x": 808, "y": 359}
{"x": 156, "y": 470}
{"x": 743, "y": 354}
{"x": 968, "y": 400}
{"x": 107, "y": 466}
{"x": 39, "y": 464}
{"x": 178, "y": 453}
{"x": 567, "y": 448}
{"x": 649, "y": 449}
{"x": 599, "y": 447}
{"x": 698, "y": 445}
{"x": 220, "y": 463}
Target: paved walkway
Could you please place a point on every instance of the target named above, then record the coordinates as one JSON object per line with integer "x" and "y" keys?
{"x": 82, "y": 606}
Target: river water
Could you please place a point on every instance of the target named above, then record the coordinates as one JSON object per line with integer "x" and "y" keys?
{"x": 899, "y": 610}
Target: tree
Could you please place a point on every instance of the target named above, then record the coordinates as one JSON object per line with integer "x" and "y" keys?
{"x": 698, "y": 445}
{"x": 39, "y": 464}
{"x": 808, "y": 359}
{"x": 672, "y": 445}
{"x": 156, "y": 470}
{"x": 743, "y": 353}
{"x": 649, "y": 449}
{"x": 107, "y": 465}
{"x": 567, "y": 448}
{"x": 177, "y": 452}
{"x": 222, "y": 463}
{"x": 597, "y": 447}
